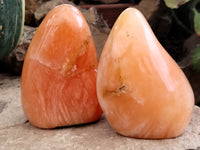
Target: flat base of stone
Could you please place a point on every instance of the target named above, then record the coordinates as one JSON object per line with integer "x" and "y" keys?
{"x": 18, "y": 134}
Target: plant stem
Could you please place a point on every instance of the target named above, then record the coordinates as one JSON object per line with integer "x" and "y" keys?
{"x": 180, "y": 23}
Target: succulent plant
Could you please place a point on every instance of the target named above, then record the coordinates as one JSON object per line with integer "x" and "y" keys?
{"x": 11, "y": 24}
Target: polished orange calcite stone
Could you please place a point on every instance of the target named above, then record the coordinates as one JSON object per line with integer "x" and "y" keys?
{"x": 58, "y": 83}
{"x": 141, "y": 89}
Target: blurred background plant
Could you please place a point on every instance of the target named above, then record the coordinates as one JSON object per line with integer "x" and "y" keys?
{"x": 186, "y": 13}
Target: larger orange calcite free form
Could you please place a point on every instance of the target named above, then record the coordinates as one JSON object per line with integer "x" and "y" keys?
{"x": 58, "y": 83}
{"x": 141, "y": 89}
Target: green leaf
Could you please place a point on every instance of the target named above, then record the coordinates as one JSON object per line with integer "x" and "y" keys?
{"x": 196, "y": 21}
{"x": 175, "y": 3}
{"x": 196, "y": 59}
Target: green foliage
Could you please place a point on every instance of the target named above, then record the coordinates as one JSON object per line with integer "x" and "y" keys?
{"x": 175, "y": 3}
{"x": 196, "y": 21}
{"x": 196, "y": 59}
{"x": 192, "y": 8}
{"x": 196, "y": 54}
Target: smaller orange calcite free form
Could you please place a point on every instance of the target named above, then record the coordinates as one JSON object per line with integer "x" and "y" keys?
{"x": 58, "y": 83}
{"x": 141, "y": 89}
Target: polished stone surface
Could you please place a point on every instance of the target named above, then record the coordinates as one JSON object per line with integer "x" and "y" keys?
{"x": 16, "y": 133}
